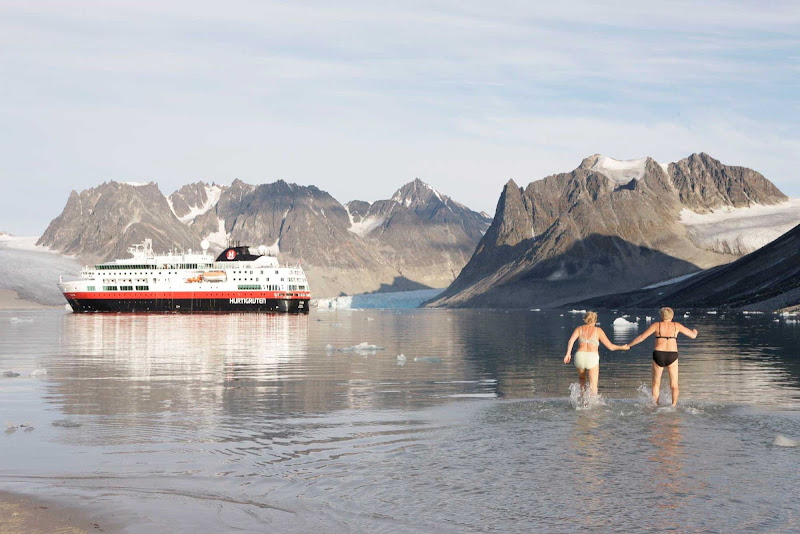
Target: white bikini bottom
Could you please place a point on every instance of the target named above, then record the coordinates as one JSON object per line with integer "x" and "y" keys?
{"x": 586, "y": 360}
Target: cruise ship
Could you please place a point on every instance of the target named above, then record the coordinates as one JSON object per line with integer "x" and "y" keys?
{"x": 240, "y": 279}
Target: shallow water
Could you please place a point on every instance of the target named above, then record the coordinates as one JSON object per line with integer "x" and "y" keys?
{"x": 253, "y": 422}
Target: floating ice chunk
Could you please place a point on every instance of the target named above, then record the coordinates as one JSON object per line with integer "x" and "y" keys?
{"x": 370, "y": 319}
{"x": 783, "y": 441}
{"x": 622, "y": 322}
{"x": 362, "y": 348}
{"x": 21, "y": 320}
{"x": 473, "y": 395}
{"x": 648, "y": 319}
{"x": 330, "y": 349}
{"x": 577, "y": 311}
{"x": 753, "y": 312}
{"x": 10, "y": 374}
{"x": 535, "y": 309}
{"x": 638, "y": 319}
{"x": 711, "y": 312}
{"x": 39, "y": 372}
{"x": 66, "y": 423}
{"x": 401, "y": 359}
{"x": 11, "y": 428}
{"x": 626, "y": 316}
{"x": 428, "y": 359}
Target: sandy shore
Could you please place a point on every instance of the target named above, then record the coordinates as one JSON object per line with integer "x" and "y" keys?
{"x": 9, "y": 300}
{"x": 21, "y": 514}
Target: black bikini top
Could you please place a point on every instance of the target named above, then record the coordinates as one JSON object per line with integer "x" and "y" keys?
{"x": 659, "y": 336}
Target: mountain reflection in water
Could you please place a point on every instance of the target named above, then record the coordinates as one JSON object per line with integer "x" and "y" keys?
{"x": 244, "y": 421}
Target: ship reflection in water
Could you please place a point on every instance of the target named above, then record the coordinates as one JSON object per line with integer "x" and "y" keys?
{"x": 210, "y": 423}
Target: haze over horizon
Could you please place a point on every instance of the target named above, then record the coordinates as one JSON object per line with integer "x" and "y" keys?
{"x": 360, "y": 98}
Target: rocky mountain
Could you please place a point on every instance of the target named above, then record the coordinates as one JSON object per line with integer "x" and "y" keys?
{"x": 767, "y": 279}
{"x": 102, "y": 222}
{"x": 418, "y": 238}
{"x": 606, "y": 227}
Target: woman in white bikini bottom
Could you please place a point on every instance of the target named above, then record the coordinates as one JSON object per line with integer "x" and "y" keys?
{"x": 587, "y": 359}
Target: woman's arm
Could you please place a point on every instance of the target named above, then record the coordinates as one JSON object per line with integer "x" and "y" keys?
{"x": 572, "y": 339}
{"x": 685, "y": 331}
{"x": 644, "y": 335}
{"x": 609, "y": 345}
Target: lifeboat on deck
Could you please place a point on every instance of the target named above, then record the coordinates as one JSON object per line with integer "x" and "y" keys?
{"x": 214, "y": 276}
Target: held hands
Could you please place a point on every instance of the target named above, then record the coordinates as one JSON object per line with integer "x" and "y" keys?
{"x": 624, "y": 347}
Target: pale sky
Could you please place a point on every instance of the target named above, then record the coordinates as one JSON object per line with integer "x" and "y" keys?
{"x": 358, "y": 98}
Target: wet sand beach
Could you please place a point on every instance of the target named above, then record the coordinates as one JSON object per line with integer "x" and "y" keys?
{"x": 21, "y": 514}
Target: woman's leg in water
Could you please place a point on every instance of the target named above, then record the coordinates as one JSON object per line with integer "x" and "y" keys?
{"x": 582, "y": 377}
{"x": 656, "y": 381}
{"x": 594, "y": 375}
{"x": 673, "y": 381}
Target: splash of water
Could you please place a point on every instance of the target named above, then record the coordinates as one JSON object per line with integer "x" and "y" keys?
{"x": 646, "y": 396}
{"x": 583, "y": 398}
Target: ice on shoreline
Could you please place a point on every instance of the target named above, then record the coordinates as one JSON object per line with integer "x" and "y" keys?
{"x": 387, "y": 301}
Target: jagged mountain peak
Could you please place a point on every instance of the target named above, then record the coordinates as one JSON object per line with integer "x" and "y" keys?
{"x": 416, "y": 192}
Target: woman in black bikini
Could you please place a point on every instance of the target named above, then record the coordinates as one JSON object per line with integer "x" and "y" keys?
{"x": 666, "y": 351}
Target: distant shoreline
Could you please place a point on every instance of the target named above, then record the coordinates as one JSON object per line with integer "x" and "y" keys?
{"x": 9, "y": 300}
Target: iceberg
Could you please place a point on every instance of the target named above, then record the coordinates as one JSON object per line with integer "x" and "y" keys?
{"x": 362, "y": 348}
{"x": 622, "y": 322}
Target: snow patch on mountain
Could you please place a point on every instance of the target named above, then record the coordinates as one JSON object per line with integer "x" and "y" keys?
{"x": 621, "y": 171}
{"x": 213, "y": 192}
{"x": 137, "y": 184}
{"x": 741, "y": 230}
{"x": 365, "y": 225}
{"x": 672, "y": 280}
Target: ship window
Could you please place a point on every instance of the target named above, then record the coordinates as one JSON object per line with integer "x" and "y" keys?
{"x": 126, "y": 288}
{"x": 90, "y": 288}
{"x": 109, "y": 288}
{"x": 142, "y": 288}
{"x": 249, "y": 286}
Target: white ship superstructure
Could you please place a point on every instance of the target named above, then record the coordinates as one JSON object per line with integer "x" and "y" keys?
{"x": 239, "y": 279}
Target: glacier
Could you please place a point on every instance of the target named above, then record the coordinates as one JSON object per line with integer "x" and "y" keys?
{"x": 740, "y": 231}
{"x": 33, "y": 271}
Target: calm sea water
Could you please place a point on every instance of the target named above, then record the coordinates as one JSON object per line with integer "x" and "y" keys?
{"x": 258, "y": 423}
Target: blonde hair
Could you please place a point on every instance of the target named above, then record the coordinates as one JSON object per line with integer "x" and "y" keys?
{"x": 667, "y": 313}
{"x": 590, "y": 317}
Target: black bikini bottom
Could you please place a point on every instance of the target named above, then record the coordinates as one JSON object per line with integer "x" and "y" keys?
{"x": 663, "y": 358}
